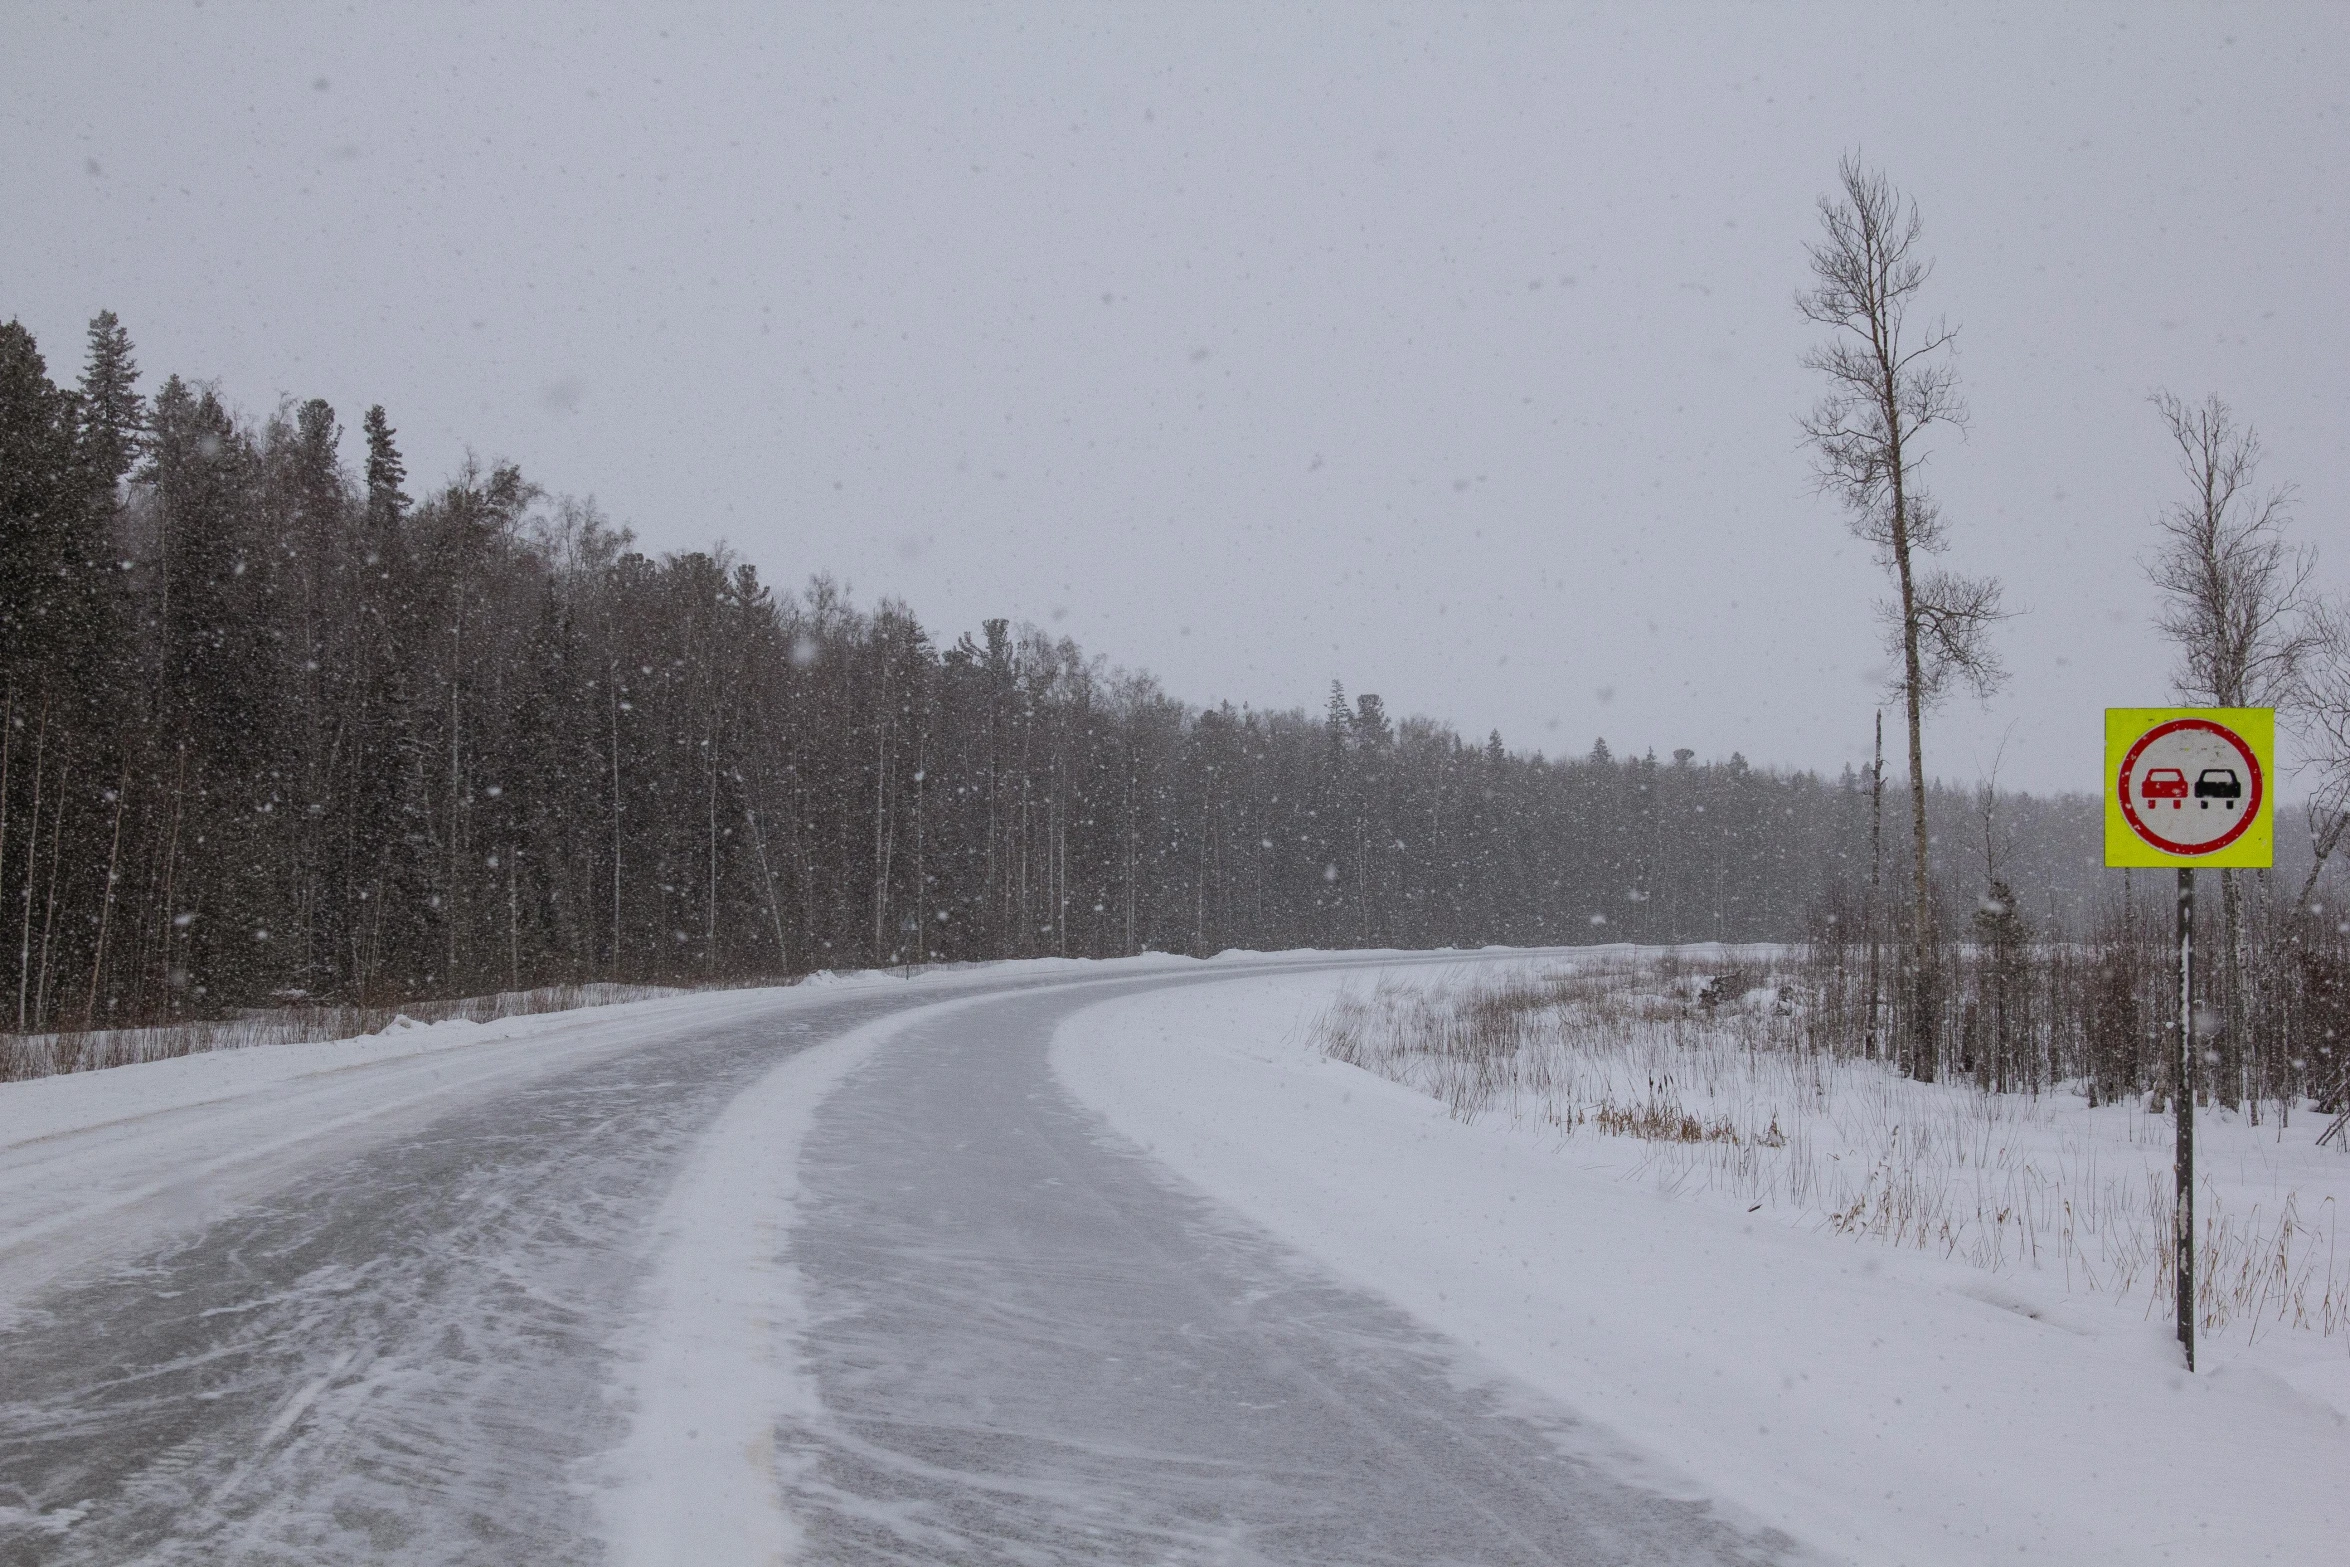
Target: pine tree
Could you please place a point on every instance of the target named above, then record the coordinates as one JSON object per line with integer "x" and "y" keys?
{"x": 309, "y": 510}
{"x": 44, "y": 514}
{"x": 114, "y": 415}
{"x": 386, "y": 504}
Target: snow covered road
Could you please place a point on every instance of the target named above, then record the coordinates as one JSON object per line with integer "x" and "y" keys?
{"x": 836, "y": 1276}
{"x": 363, "y": 1313}
{"x": 1029, "y": 1344}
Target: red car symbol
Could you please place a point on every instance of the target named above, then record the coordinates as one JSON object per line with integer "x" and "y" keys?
{"x": 2164, "y": 783}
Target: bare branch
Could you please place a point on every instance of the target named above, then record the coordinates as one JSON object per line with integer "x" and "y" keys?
{"x": 1885, "y": 390}
{"x": 2236, "y": 591}
{"x": 2320, "y": 717}
{"x": 1954, "y": 616}
{"x": 1882, "y": 390}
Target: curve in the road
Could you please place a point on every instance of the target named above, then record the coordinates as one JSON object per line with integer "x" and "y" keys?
{"x": 1034, "y": 1346}
{"x": 1027, "y": 1342}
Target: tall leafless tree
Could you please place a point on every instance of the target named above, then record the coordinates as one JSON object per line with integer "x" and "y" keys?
{"x": 1890, "y": 382}
{"x": 2235, "y": 589}
{"x": 2323, "y": 727}
{"x": 2236, "y": 603}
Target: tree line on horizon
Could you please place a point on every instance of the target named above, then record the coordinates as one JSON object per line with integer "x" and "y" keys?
{"x": 273, "y": 730}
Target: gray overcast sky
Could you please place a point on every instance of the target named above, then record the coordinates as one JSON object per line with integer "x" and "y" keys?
{"x": 1447, "y": 352}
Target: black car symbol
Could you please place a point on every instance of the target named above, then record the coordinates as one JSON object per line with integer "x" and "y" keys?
{"x": 2218, "y": 783}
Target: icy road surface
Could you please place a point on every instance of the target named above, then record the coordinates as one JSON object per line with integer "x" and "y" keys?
{"x": 385, "y": 1334}
{"x": 1033, "y": 1346}
{"x": 420, "y": 1332}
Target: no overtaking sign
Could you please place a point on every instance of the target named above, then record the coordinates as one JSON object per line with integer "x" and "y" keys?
{"x": 2187, "y": 787}
{"x": 2190, "y": 786}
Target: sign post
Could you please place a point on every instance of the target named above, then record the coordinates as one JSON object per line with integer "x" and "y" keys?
{"x": 2183, "y": 1117}
{"x": 2187, "y": 787}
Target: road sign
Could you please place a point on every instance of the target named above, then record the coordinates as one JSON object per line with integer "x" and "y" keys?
{"x": 2186, "y": 787}
{"x": 2190, "y": 786}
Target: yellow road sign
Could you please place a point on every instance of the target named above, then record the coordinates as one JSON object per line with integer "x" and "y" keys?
{"x": 2190, "y": 786}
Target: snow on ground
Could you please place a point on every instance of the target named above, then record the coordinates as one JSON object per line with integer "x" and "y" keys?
{"x": 1888, "y": 1404}
{"x": 1892, "y": 1405}
{"x": 45, "y": 1107}
{"x": 710, "y": 1366}
{"x": 94, "y": 1162}
{"x": 1727, "y": 1096}
{"x": 40, "y": 1108}
{"x": 91, "y": 1162}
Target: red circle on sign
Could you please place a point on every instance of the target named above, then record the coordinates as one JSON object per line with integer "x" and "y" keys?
{"x": 2235, "y": 742}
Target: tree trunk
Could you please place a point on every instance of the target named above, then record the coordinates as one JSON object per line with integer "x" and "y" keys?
{"x": 32, "y": 841}
{"x": 2235, "y": 1064}
{"x": 1924, "y": 989}
{"x": 106, "y": 901}
{"x": 1872, "y": 915}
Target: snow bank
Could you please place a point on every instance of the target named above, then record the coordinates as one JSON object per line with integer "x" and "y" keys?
{"x": 45, "y": 1107}
{"x": 1890, "y": 1406}
{"x": 1719, "y": 1096}
{"x": 38, "y": 1108}
{"x": 95, "y": 1163}
{"x": 711, "y": 1367}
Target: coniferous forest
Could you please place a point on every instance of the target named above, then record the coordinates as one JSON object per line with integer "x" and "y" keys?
{"x": 277, "y": 729}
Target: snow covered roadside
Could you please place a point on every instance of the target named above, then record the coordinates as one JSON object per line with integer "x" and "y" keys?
{"x": 91, "y": 1162}
{"x": 45, "y": 1107}
{"x": 1888, "y": 1406}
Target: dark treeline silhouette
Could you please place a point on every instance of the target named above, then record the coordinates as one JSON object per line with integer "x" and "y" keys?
{"x": 274, "y": 729}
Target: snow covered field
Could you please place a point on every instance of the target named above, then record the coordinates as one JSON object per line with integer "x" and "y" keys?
{"x": 1702, "y": 1069}
{"x": 1886, "y": 1402}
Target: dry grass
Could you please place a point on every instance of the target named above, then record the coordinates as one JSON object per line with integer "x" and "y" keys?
{"x": 1710, "y": 1070}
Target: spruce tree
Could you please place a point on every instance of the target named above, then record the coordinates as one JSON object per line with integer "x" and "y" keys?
{"x": 114, "y": 415}
{"x": 43, "y": 513}
{"x": 386, "y": 504}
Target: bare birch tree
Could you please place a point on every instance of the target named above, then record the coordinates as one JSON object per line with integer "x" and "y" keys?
{"x": 2235, "y": 602}
{"x": 2323, "y": 727}
{"x": 2324, "y": 732}
{"x": 2235, "y": 590}
{"x": 1890, "y": 382}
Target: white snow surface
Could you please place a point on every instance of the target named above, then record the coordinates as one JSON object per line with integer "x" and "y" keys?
{"x": 1889, "y": 1406}
{"x": 711, "y": 1368}
{"x": 95, "y": 1162}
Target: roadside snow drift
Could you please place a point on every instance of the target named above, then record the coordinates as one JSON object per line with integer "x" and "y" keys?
{"x": 1890, "y": 1406}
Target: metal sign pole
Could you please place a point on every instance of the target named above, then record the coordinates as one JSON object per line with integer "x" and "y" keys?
{"x": 2183, "y": 1103}
{"x": 2188, "y": 787}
